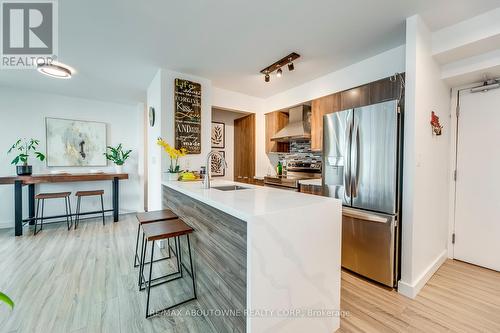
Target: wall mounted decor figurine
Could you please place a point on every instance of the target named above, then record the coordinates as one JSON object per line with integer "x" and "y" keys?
{"x": 436, "y": 126}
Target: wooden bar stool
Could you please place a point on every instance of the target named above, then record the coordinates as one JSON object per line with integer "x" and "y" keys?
{"x": 149, "y": 217}
{"x": 79, "y": 196}
{"x": 44, "y": 196}
{"x": 159, "y": 231}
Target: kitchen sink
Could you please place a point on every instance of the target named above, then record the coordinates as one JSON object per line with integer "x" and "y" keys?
{"x": 230, "y": 188}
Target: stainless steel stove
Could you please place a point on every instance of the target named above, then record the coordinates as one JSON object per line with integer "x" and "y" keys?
{"x": 295, "y": 171}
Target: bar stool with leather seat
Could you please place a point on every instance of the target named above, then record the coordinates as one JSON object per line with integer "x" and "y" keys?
{"x": 44, "y": 196}
{"x": 162, "y": 230}
{"x": 80, "y": 195}
{"x": 149, "y": 217}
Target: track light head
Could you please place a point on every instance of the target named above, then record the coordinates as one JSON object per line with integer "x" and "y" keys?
{"x": 291, "y": 67}
{"x": 279, "y": 72}
{"x": 267, "y": 78}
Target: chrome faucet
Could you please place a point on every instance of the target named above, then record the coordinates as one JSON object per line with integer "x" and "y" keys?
{"x": 206, "y": 180}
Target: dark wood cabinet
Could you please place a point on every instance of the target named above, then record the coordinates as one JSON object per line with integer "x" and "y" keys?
{"x": 355, "y": 98}
{"x": 384, "y": 90}
{"x": 372, "y": 93}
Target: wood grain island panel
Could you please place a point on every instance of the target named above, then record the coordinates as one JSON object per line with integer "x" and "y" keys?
{"x": 219, "y": 255}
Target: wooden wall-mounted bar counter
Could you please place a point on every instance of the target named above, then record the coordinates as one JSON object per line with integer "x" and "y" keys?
{"x": 31, "y": 181}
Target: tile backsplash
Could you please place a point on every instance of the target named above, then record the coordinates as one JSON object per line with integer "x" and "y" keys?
{"x": 299, "y": 151}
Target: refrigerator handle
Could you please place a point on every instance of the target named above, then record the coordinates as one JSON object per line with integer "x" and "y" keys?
{"x": 347, "y": 158}
{"x": 355, "y": 147}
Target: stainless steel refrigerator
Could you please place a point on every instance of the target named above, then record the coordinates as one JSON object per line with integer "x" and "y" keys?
{"x": 361, "y": 150}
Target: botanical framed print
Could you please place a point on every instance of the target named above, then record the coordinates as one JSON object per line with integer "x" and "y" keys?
{"x": 217, "y": 165}
{"x": 72, "y": 143}
{"x": 218, "y": 135}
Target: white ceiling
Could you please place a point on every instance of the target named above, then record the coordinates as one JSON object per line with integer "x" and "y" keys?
{"x": 118, "y": 45}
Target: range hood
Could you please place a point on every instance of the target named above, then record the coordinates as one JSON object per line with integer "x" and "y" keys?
{"x": 298, "y": 127}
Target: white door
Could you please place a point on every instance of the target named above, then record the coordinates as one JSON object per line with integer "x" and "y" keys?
{"x": 477, "y": 215}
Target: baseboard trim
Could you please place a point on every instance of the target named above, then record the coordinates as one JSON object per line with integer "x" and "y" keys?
{"x": 10, "y": 224}
{"x": 6, "y": 224}
{"x": 412, "y": 290}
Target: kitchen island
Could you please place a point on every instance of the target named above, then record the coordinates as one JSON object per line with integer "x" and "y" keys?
{"x": 266, "y": 260}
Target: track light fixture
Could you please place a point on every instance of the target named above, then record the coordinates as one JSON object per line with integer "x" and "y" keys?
{"x": 278, "y": 65}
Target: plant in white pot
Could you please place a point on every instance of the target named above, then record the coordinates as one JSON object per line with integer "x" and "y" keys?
{"x": 175, "y": 154}
{"x": 118, "y": 156}
{"x": 24, "y": 148}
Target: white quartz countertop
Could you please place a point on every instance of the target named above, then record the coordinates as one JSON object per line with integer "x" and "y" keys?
{"x": 316, "y": 182}
{"x": 247, "y": 203}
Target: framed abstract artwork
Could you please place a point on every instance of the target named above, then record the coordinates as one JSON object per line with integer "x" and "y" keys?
{"x": 217, "y": 165}
{"x": 72, "y": 143}
{"x": 218, "y": 135}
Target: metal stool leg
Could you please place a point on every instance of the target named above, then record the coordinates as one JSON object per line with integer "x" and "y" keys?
{"x": 136, "y": 256}
{"x": 149, "y": 284}
{"x": 67, "y": 213}
{"x": 77, "y": 217}
{"x": 191, "y": 266}
{"x": 141, "y": 261}
{"x": 102, "y": 207}
{"x": 150, "y": 275}
{"x": 70, "y": 212}
{"x": 36, "y": 215}
{"x": 41, "y": 221}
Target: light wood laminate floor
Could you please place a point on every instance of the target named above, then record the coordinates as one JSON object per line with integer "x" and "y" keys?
{"x": 83, "y": 281}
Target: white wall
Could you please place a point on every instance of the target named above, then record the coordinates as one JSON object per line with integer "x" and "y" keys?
{"x": 22, "y": 114}
{"x": 154, "y": 167}
{"x": 426, "y": 173}
{"x": 227, "y": 117}
{"x": 160, "y": 95}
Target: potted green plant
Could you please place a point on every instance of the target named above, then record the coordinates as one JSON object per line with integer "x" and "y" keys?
{"x": 118, "y": 156}
{"x": 5, "y": 299}
{"x": 24, "y": 148}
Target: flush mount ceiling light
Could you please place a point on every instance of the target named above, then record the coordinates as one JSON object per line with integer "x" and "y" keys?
{"x": 56, "y": 70}
{"x": 286, "y": 61}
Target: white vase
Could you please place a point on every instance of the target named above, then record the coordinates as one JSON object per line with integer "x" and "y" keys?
{"x": 172, "y": 176}
{"x": 119, "y": 168}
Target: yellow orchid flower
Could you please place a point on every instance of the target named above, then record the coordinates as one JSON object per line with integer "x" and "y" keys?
{"x": 173, "y": 153}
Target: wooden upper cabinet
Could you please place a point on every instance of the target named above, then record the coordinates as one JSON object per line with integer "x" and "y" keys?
{"x": 355, "y": 98}
{"x": 275, "y": 121}
{"x": 319, "y": 108}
